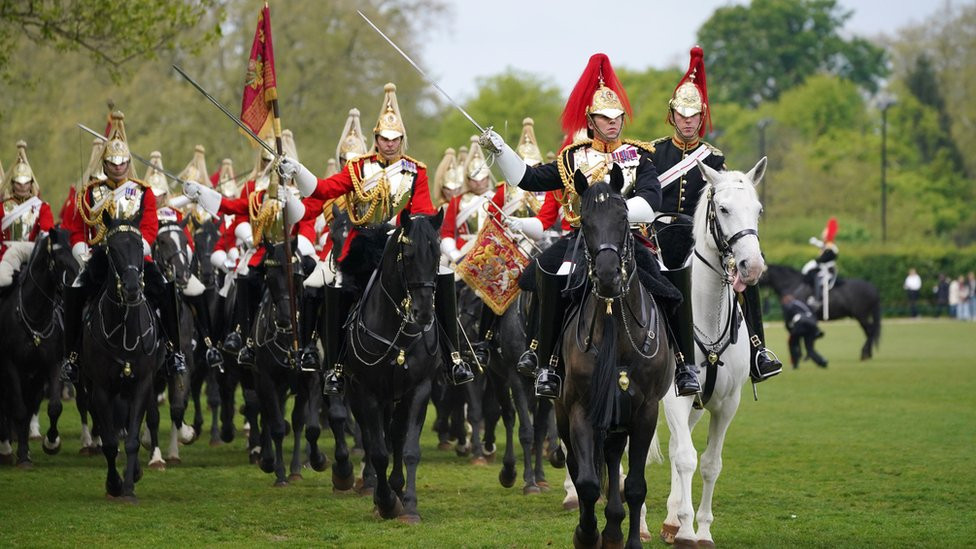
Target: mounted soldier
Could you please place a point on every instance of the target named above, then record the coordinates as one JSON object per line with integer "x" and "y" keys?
{"x": 377, "y": 187}
{"x": 597, "y": 105}
{"x": 448, "y": 180}
{"x": 113, "y": 195}
{"x": 23, "y": 218}
{"x": 681, "y": 186}
{"x": 267, "y": 204}
{"x": 821, "y": 273}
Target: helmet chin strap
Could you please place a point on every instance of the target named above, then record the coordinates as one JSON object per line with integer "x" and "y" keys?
{"x": 596, "y": 130}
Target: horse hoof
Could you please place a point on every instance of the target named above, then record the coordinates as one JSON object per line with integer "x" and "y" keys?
{"x": 409, "y": 519}
{"x": 362, "y": 489}
{"x": 174, "y": 460}
{"x": 479, "y": 460}
{"x": 216, "y": 442}
{"x": 295, "y": 477}
{"x": 570, "y": 504}
{"x": 706, "y": 544}
{"x": 267, "y": 465}
{"x": 342, "y": 484}
{"x": 462, "y": 451}
{"x": 542, "y": 484}
{"x": 530, "y": 489}
{"x": 668, "y": 533}
{"x": 444, "y": 446}
{"x": 393, "y": 512}
{"x": 52, "y": 450}
{"x": 580, "y": 544}
{"x": 318, "y": 463}
{"x": 507, "y": 479}
{"x": 25, "y": 465}
{"x": 281, "y": 483}
{"x": 684, "y": 543}
{"x": 557, "y": 458}
{"x": 614, "y": 544}
{"x": 645, "y": 536}
{"x": 86, "y": 451}
{"x": 157, "y": 465}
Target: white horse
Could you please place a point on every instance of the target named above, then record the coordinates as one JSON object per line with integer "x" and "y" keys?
{"x": 727, "y": 257}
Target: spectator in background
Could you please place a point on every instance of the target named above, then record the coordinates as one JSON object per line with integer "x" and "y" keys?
{"x": 941, "y": 293}
{"x": 971, "y": 280}
{"x": 962, "y": 309}
{"x": 913, "y": 284}
{"x": 954, "y": 297}
{"x": 802, "y": 326}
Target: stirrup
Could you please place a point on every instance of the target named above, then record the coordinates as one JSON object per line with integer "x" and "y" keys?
{"x": 176, "y": 363}
{"x": 334, "y": 383}
{"x": 233, "y": 342}
{"x": 528, "y": 362}
{"x": 762, "y": 370}
{"x": 246, "y": 356}
{"x": 460, "y": 372}
{"x": 308, "y": 360}
{"x": 213, "y": 357}
{"x": 548, "y": 384}
{"x": 69, "y": 368}
{"x": 686, "y": 381}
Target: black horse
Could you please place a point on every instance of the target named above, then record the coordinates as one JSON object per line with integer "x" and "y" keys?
{"x": 32, "y": 340}
{"x": 618, "y": 367}
{"x": 205, "y": 233}
{"x": 122, "y": 348}
{"x": 393, "y": 356}
{"x": 850, "y": 297}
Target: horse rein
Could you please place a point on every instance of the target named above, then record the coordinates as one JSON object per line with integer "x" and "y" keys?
{"x": 724, "y": 245}
{"x": 45, "y": 332}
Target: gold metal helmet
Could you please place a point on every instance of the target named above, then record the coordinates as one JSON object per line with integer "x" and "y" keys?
{"x": 690, "y": 97}
{"x": 606, "y": 102}
{"x": 687, "y": 100}
{"x": 390, "y": 124}
{"x": 195, "y": 170}
{"x": 528, "y": 147}
{"x": 20, "y": 172}
{"x": 154, "y": 177}
{"x": 449, "y": 177}
{"x": 476, "y": 165}
{"x": 116, "y": 149}
{"x": 226, "y": 182}
{"x": 351, "y": 142}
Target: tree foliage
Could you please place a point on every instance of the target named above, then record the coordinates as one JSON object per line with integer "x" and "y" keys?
{"x": 756, "y": 52}
{"x": 112, "y": 32}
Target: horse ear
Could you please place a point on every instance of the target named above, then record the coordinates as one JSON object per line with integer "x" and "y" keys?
{"x": 757, "y": 172}
{"x": 580, "y": 183}
{"x": 437, "y": 220}
{"x": 710, "y": 174}
{"x": 405, "y": 220}
{"x": 616, "y": 178}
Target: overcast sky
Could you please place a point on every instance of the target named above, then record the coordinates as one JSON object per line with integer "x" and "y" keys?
{"x": 555, "y": 38}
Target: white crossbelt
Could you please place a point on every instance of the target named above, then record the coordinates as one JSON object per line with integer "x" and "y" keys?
{"x": 464, "y": 214}
{"x": 388, "y": 172}
{"x": 119, "y": 191}
{"x": 16, "y": 213}
{"x": 682, "y": 167}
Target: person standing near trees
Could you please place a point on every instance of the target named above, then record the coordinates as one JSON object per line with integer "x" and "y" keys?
{"x": 941, "y": 291}
{"x": 912, "y": 286}
{"x": 682, "y": 183}
{"x": 802, "y": 326}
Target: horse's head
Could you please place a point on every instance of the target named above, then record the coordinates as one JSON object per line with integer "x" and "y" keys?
{"x": 171, "y": 252}
{"x": 339, "y": 228}
{"x": 125, "y": 252}
{"x": 606, "y": 234}
{"x": 727, "y": 221}
{"x": 55, "y": 250}
{"x": 418, "y": 256}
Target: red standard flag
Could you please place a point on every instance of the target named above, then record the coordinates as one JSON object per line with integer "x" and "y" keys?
{"x": 259, "y": 83}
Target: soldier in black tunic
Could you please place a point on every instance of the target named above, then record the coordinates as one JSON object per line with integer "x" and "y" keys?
{"x": 597, "y": 105}
{"x": 681, "y": 185}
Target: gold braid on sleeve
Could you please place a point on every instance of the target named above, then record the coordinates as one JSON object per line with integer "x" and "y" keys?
{"x": 570, "y": 190}
{"x": 262, "y": 213}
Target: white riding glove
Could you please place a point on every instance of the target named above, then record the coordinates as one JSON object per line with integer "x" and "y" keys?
{"x": 289, "y": 169}
{"x": 529, "y": 226}
{"x": 81, "y": 253}
{"x": 146, "y": 248}
{"x": 206, "y": 197}
{"x": 218, "y": 259}
{"x": 244, "y": 235}
{"x": 639, "y": 211}
{"x": 511, "y": 164}
{"x": 449, "y": 249}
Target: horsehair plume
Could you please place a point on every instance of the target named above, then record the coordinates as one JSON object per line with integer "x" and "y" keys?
{"x": 597, "y": 69}
{"x": 603, "y": 379}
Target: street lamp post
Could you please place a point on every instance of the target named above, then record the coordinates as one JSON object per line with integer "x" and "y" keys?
{"x": 761, "y": 125}
{"x": 884, "y": 103}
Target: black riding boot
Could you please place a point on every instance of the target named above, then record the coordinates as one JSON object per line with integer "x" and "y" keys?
{"x": 528, "y": 363}
{"x": 169, "y": 314}
{"x": 247, "y": 302}
{"x": 445, "y": 308}
{"x": 763, "y": 364}
{"x": 552, "y": 308}
{"x": 74, "y": 306}
{"x": 201, "y": 313}
{"x": 308, "y": 321}
{"x": 682, "y": 324}
{"x": 234, "y": 341}
{"x": 338, "y": 302}
{"x": 482, "y": 347}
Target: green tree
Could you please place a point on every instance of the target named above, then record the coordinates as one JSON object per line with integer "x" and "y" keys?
{"x": 756, "y": 52}
{"x": 112, "y": 32}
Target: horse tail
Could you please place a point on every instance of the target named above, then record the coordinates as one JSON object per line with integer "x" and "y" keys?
{"x": 654, "y": 452}
{"x": 876, "y": 325}
{"x": 603, "y": 377}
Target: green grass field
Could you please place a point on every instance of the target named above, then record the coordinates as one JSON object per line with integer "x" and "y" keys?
{"x": 862, "y": 454}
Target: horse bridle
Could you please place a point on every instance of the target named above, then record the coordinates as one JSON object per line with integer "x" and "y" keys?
{"x": 42, "y": 334}
{"x": 626, "y": 257}
{"x": 118, "y": 274}
{"x": 723, "y": 244}
{"x": 403, "y": 307}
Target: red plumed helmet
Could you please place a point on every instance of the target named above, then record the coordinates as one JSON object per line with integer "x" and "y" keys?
{"x": 598, "y": 91}
{"x": 830, "y": 232}
{"x": 690, "y": 96}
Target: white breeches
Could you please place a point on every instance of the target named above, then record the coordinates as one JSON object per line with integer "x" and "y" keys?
{"x": 16, "y": 255}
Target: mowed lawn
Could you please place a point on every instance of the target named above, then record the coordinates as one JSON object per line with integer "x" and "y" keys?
{"x": 862, "y": 454}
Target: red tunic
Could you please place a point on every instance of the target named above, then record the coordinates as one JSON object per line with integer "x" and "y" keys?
{"x": 44, "y": 222}
{"x": 148, "y": 222}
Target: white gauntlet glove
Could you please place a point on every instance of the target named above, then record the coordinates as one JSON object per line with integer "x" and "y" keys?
{"x": 208, "y": 198}
{"x": 529, "y": 226}
{"x": 511, "y": 164}
{"x": 81, "y": 253}
{"x": 291, "y": 169}
{"x": 639, "y": 211}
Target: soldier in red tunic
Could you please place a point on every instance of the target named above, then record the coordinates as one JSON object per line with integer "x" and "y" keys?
{"x": 23, "y": 217}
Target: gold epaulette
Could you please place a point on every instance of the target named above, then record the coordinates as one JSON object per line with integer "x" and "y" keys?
{"x": 642, "y": 145}
{"x": 713, "y": 148}
{"x": 661, "y": 140}
{"x": 562, "y": 162}
{"x": 139, "y": 181}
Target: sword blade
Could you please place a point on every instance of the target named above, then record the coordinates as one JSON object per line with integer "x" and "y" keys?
{"x": 224, "y": 110}
{"x": 422, "y": 73}
{"x": 134, "y": 155}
